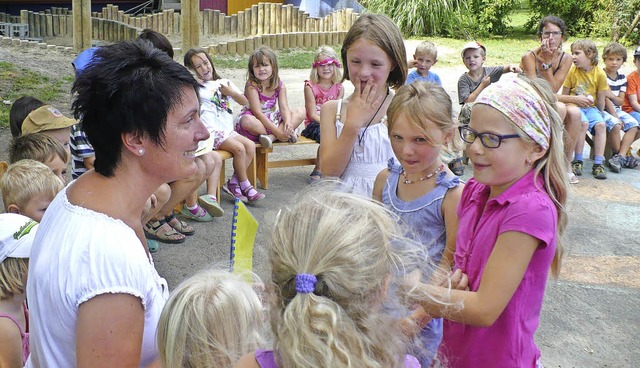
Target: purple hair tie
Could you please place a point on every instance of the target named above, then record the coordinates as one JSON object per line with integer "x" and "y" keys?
{"x": 305, "y": 283}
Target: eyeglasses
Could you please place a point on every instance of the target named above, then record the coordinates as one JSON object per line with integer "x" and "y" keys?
{"x": 489, "y": 140}
{"x": 549, "y": 34}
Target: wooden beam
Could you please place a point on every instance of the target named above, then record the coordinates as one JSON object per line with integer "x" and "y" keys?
{"x": 81, "y": 24}
{"x": 190, "y": 24}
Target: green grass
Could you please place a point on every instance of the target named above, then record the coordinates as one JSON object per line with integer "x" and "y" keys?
{"x": 287, "y": 59}
{"x": 16, "y": 82}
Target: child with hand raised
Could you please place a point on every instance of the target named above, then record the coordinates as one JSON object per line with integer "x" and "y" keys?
{"x": 355, "y": 142}
{"x": 419, "y": 188}
{"x": 324, "y": 84}
{"x": 267, "y": 117}
{"x": 511, "y": 219}
{"x": 216, "y": 114}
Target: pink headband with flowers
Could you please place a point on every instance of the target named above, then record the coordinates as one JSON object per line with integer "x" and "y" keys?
{"x": 328, "y": 61}
{"x": 519, "y": 102}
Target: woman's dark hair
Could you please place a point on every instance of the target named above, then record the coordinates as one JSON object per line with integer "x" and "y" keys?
{"x": 129, "y": 87}
{"x": 158, "y": 40}
{"x": 19, "y": 111}
{"x": 552, "y": 19}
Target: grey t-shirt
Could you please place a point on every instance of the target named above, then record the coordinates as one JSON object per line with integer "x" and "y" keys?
{"x": 466, "y": 85}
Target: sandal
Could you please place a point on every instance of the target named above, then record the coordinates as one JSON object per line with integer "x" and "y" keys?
{"x": 233, "y": 189}
{"x": 156, "y": 230}
{"x": 152, "y": 245}
{"x": 457, "y": 167}
{"x": 211, "y": 205}
{"x": 314, "y": 177}
{"x": 629, "y": 162}
{"x": 201, "y": 216}
{"x": 252, "y": 194}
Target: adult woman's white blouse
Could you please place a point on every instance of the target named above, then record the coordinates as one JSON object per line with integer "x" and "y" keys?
{"x": 79, "y": 254}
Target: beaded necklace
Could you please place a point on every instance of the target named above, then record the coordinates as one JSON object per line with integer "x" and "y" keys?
{"x": 423, "y": 178}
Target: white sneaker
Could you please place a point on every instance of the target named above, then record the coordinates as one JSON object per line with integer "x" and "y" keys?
{"x": 265, "y": 140}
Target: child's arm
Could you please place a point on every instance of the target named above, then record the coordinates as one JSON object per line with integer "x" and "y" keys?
{"x": 617, "y": 100}
{"x": 10, "y": 344}
{"x": 608, "y": 107}
{"x": 580, "y": 101}
{"x": 88, "y": 162}
{"x": 473, "y": 95}
{"x": 633, "y": 101}
{"x": 230, "y": 89}
{"x": 511, "y": 68}
{"x": 254, "y": 104}
{"x": 310, "y": 104}
{"x": 500, "y": 279}
{"x": 600, "y": 100}
{"x": 449, "y": 207}
{"x": 378, "y": 185}
{"x": 285, "y": 111}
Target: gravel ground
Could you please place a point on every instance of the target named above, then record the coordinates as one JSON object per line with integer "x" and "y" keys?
{"x": 590, "y": 317}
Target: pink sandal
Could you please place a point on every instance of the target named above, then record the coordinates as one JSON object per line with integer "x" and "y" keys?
{"x": 234, "y": 190}
{"x": 252, "y": 194}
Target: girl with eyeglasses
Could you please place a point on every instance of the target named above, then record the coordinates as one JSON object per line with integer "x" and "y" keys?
{"x": 511, "y": 219}
{"x": 552, "y": 64}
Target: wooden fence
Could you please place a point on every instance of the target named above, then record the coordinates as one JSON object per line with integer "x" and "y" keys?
{"x": 277, "y": 25}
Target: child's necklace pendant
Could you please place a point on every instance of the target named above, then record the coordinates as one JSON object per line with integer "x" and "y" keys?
{"x": 423, "y": 178}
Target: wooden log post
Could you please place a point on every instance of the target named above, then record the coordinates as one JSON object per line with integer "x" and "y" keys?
{"x": 215, "y": 24}
{"x": 260, "y": 18}
{"x": 240, "y": 24}
{"x": 234, "y": 25}
{"x": 190, "y": 24}
{"x": 81, "y": 24}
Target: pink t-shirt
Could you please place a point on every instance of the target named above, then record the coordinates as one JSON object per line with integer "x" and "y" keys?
{"x": 322, "y": 95}
{"x": 509, "y": 341}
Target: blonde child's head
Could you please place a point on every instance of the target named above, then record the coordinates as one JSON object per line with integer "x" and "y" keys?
{"x": 42, "y": 148}
{"x": 210, "y": 320}
{"x": 529, "y": 105}
{"x": 614, "y": 49}
{"x": 263, "y": 56}
{"x": 332, "y": 259}
{"x": 16, "y": 237}
{"x": 28, "y": 186}
{"x": 326, "y": 56}
{"x": 426, "y": 48}
{"x": 199, "y": 61}
{"x": 588, "y": 47}
{"x": 421, "y": 101}
{"x": 382, "y": 32}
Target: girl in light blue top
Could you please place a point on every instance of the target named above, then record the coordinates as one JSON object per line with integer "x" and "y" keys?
{"x": 419, "y": 188}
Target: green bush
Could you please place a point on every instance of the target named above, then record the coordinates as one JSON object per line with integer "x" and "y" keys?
{"x": 492, "y": 16}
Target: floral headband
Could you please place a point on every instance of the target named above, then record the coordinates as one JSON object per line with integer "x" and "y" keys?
{"x": 328, "y": 61}
{"x": 516, "y": 99}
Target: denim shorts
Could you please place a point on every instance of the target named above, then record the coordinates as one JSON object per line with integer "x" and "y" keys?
{"x": 592, "y": 115}
{"x": 624, "y": 118}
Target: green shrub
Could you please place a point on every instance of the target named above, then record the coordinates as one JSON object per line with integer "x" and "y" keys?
{"x": 492, "y": 16}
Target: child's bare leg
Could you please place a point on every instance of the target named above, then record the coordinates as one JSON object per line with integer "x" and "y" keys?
{"x": 251, "y": 124}
{"x": 214, "y": 179}
{"x": 162, "y": 195}
{"x": 192, "y": 209}
{"x": 237, "y": 149}
{"x": 575, "y": 131}
{"x": 297, "y": 117}
{"x": 614, "y": 138}
{"x": 249, "y": 149}
{"x": 627, "y": 139}
{"x": 579, "y": 146}
{"x": 600, "y": 139}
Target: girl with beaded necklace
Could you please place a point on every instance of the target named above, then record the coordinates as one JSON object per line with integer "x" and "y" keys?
{"x": 419, "y": 188}
{"x": 355, "y": 143}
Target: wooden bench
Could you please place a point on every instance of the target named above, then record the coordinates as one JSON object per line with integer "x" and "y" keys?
{"x": 263, "y": 164}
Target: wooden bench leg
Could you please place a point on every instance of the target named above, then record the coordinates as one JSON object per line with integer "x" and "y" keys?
{"x": 262, "y": 165}
{"x": 251, "y": 173}
{"x": 221, "y": 181}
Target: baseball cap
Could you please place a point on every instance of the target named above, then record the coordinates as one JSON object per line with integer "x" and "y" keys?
{"x": 472, "y": 45}
{"x": 16, "y": 235}
{"x": 637, "y": 52}
{"x": 45, "y": 118}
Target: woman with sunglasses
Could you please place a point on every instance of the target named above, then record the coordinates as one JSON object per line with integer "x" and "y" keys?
{"x": 512, "y": 217}
{"x": 550, "y": 63}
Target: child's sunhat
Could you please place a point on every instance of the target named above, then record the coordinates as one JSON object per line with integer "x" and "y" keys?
{"x": 473, "y": 45}
{"x": 16, "y": 235}
{"x": 45, "y": 118}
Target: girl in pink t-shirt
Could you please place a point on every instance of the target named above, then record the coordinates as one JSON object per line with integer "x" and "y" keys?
{"x": 324, "y": 84}
{"x": 512, "y": 216}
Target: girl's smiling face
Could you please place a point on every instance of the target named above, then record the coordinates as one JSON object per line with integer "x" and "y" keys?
{"x": 325, "y": 72}
{"x": 263, "y": 71}
{"x": 498, "y": 167}
{"x": 368, "y": 63}
{"x": 202, "y": 66}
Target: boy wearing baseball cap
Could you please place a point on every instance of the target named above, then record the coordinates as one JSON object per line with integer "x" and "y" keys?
{"x": 50, "y": 121}
{"x": 16, "y": 237}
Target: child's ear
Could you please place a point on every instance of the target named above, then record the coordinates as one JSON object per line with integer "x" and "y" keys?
{"x": 435, "y": 62}
{"x": 536, "y": 153}
{"x": 13, "y": 208}
{"x": 3, "y": 167}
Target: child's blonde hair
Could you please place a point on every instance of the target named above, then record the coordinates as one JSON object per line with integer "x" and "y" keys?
{"x": 210, "y": 320}
{"x": 421, "y": 101}
{"x": 12, "y": 271}
{"x": 427, "y": 47}
{"x": 328, "y": 53}
{"x": 26, "y": 179}
{"x": 36, "y": 146}
{"x": 614, "y": 48}
{"x": 382, "y": 32}
{"x": 588, "y": 47}
{"x": 258, "y": 58}
{"x": 345, "y": 242}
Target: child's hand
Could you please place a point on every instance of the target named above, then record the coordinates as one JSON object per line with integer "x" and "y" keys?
{"x": 513, "y": 68}
{"x": 225, "y": 89}
{"x": 583, "y": 101}
{"x": 459, "y": 280}
{"x": 412, "y": 63}
{"x": 485, "y": 81}
{"x": 281, "y": 134}
{"x": 363, "y": 103}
